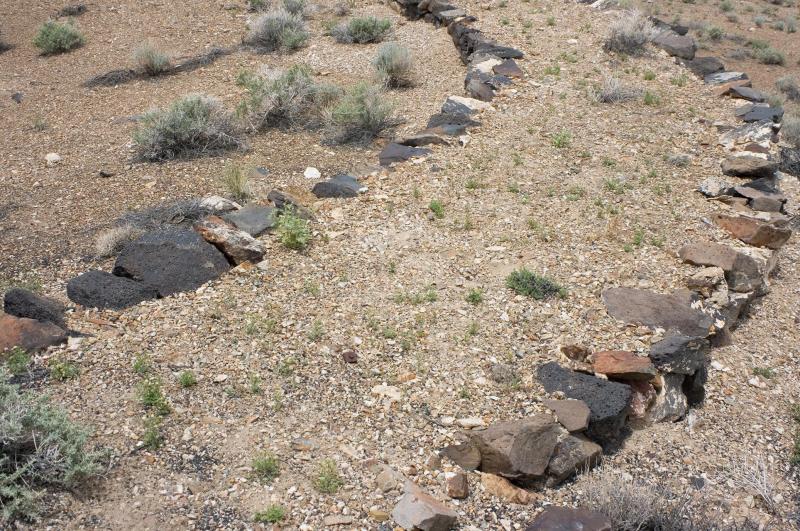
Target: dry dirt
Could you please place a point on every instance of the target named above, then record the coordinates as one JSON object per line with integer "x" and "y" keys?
{"x": 510, "y": 197}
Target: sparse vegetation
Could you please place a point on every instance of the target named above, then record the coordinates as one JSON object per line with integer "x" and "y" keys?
{"x": 195, "y": 125}
{"x": 613, "y": 91}
{"x": 361, "y": 114}
{"x": 770, "y": 56}
{"x": 295, "y": 7}
{"x": 630, "y": 34}
{"x": 789, "y": 86}
{"x": 187, "y": 379}
{"x": 151, "y": 60}
{"x": 562, "y": 139}
{"x": 111, "y": 241}
{"x": 277, "y": 30}
{"x": 328, "y": 480}
{"x": 393, "y": 65}
{"x": 651, "y": 98}
{"x": 525, "y": 282}
{"x": 475, "y": 296}
{"x": 17, "y": 361}
{"x": 265, "y": 467}
{"x": 152, "y": 397}
{"x": 362, "y": 30}
{"x": 293, "y": 231}
{"x": 272, "y": 515}
{"x": 790, "y": 130}
{"x": 237, "y": 183}
{"x": 437, "y": 208}
{"x": 54, "y": 38}
{"x": 63, "y": 370}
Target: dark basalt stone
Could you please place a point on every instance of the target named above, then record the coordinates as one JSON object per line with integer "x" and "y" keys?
{"x": 704, "y": 66}
{"x": 680, "y": 354}
{"x": 253, "y": 219}
{"x": 338, "y": 186}
{"x": 656, "y": 310}
{"x": 569, "y": 519}
{"x": 98, "y": 289}
{"x": 23, "y": 303}
{"x": 395, "y": 152}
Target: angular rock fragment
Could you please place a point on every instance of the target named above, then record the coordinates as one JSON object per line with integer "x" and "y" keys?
{"x": 724, "y": 77}
{"x": 680, "y": 354}
{"x": 761, "y": 133}
{"x": 753, "y": 232}
{"x": 285, "y": 200}
{"x": 656, "y": 310}
{"x": 236, "y": 245}
{"x": 450, "y": 124}
{"x": 745, "y": 269}
{"x": 682, "y": 46}
{"x": 568, "y": 519}
{"x": 758, "y": 112}
{"x": 419, "y": 510}
{"x": 462, "y": 105}
{"x": 748, "y": 166}
{"x": 573, "y": 453}
{"x": 622, "y": 365}
{"x": 394, "y": 152}
{"x": 23, "y": 303}
{"x": 218, "y": 205}
{"x": 466, "y": 455}
{"x": 715, "y": 187}
{"x": 670, "y": 403}
{"x": 704, "y": 66}
{"x": 457, "y": 486}
{"x": 746, "y": 93}
{"x": 505, "y": 490}
{"x": 508, "y": 68}
{"x": 28, "y": 334}
{"x": 338, "y": 186}
{"x": 725, "y": 88}
{"x": 253, "y": 219}
{"x": 572, "y": 414}
{"x": 98, "y": 289}
{"x": 643, "y": 394}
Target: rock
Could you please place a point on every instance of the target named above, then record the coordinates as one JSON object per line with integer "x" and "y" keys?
{"x": 98, "y": 289}
{"x": 423, "y": 139}
{"x": 462, "y": 105}
{"x": 746, "y": 93}
{"x": 457, "y": 486}
{"x": 311, "y": 173}
{"x": 724, "y": 77}
{"x": 694, "y": 386}
{"x": 52, "y": 159}
{"x": 23, "y": 303}
{"x": 725, "y": 89}
{"x": 762, "y": 199}
{"x": 679, "y": 354}
{"x": 664, "y": 26}
{"x": 338, "y": 186}
{"x": 502, "y": 373}
{"x": 670, "y": 403}
{"x": 573, "y": 454}
{"x": 479, "y": 89}
{"x": 508, "y": 68}
{"x": 745, "y": 269}
{"x": 17, "y": 97}
{"x": 572, "y": 414}
{"x": 607, "y": 401}
{"x": 419, "y": 510}
{"x": 656, "y": 310}
{"x": 682, "y": 46}
{"x": 748, "y": 166}
{"x": 253, "y": 219}
{"x": 394, "y": 152}
{"x": 388, "y": 480}
{"x": 715, "y": 187}
{"x": 450, "y": 124}
{"x": 505, "y": 490}
{"x": 218, "y": 205}
{"x": 337, "y": 519}
{"x": 518, "y": 450}
{"x": 704, "y": 66}
{"x": 28, "y": 334}
{"x": 643, "y": 394}
{"x": 706, "y": 280}
{"x": 622, "y": 365}
{"x": 757, "y": 112}
{"x": 237, "y": 246}
{"x": 790, "y": 161}
{"x": 503, "y": 52}
{"x": 752, "y": 231}
{"x": 465, "y": 455}
{"x": 761, "y": 133}
{"x": 284, "y": 200}
{"x": 171, "y": 260}
{"x": 569, "y": 519}
{"x": 387, "y": 391}
{"x": 350, "y": 356}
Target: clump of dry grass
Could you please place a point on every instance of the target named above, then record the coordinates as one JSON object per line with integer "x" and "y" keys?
{"x": 237, "y": 183}
{"x": 277, "y": 30}
{"x": 111, "y": 241}
{"x": 613, "y": 91}
{"x": 394, "y": 65}
{"x": 151, "y": 60}
{"x": 789, "y": 86}
{"x": 361, "y": 115}
{"x": 790, "y": 130}
{"x": 362, "y": 30}
{"x": 630, "y": 33}
{"x": 754, "y": 477}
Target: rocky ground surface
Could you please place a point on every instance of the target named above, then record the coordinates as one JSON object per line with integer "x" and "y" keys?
{"x": 363, "y": 349}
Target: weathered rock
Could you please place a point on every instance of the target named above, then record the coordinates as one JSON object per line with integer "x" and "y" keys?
{"x": 237, "y": 246}
{"x": 171, "y": 260}
{"x": 419, "y": 510}
{"x": 706, "y": 280}
{"x": 715, "y": 187}
{"x": 643, "y": 394}
{"x": 748, "y": 166}
{"x": 664, "y": 26}
{"x": 508, "y": 68}
{"x": 423, "y": 139}
{"x": 28, "y": 334}
{"x": 725, "y": 88}
{"x": 338, "y": 186}
{"x": 724, "y": 77}
{"x": 394, "y": 152}
{"x": 761, "y": 133}
{"x": 670, "y": 403}
{"x": 466, "y": 455}
{"x": 746, "y": 93}
{"x": 761, "y": 199}
{"x": 704, "y": 66}
{"x": 569, "y": 519}
{"x": 572, "y": 414}
{"x": 682, "y": 46}
{"x": 753, "y": 232}
{"x": 98, "y": 289}
{"x": 745, "y": 269}
{"x": 253, "y": 219}
{"x": 505, "y": 490}
{"x": 462, "y": 105}
{"x": 680, "y": 354}
{"x": 758, "y": 112}
{"x": 450, "y": 124}
{"x": 457, "y": 486}
{"x": 285, "y": 201}
{"x": 656, "y": 310}
{"x": 218, "y": 205}
{"x": 518, "y": 450}
{"x": 23, "y": 303}
{"x": 607, "y": 401}
{"x": 623, "y": 365}
{"x": 790, "y": 161}
{"x": 573, "y": 454}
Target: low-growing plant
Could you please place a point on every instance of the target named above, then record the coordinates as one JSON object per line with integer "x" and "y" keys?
{"x": 759, "y": 20}
{"x": 187, "y": 379}
{"x": 271, "y": 515}
{"x": 613, "y": 91}
{"x": 63, "y": 370}
{"x": 437, "y": 208}
{"x": 361, "y": 114}
{"x": 152, "y": 438}
{"x": 562, "y": 139}
{"x": 362, "y": 30}
{"x": 141, "y": 364}
{"x": 328, "y": 480}
{"x": 525, "y": 282}
{"x": 789, "y": 86}
{"x": 770, "y": 56}
{"x": 277, "y": 30}
{"x": 257, "y": 5}
{"x": 629, "y": 34}
{"x": 393, "y": 65}
{"x": 475, "y": 296}
{"x": 295, "y": 7}
{"x": 194, "y": 125}
{"x": 649, "y": 75}
{"x": 40, "y": 448}
{"x": 151, "y": 60}
{"x": 265, "y": 467}
{"x": 111, "y": 241}
{"x": 237, "y": 183}
{"x": 152, "y": 397}
{"x": 54, "y": 38}
{"x": 292, "y": 230}
{"x": 17, "y": 361}
{"x": 651, "y": 98}
{"x": 790, "y": 130}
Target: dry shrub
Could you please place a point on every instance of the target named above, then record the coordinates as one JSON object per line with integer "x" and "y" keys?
{"x": 111, "y": 241}
{"x": 630, "y": 34}
{"x": 790, "y": 130}
{"x": 788, "y": 85}
{"x": 277, "y": 30}
{"x": 151, "y": 60}
{"x": 613, "y": 91}
{"x": 361, "y": 115}
{"x": 394, "y": 65}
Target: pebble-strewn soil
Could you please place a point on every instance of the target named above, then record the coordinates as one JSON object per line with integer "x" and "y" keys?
{"x": 606, "y": 210}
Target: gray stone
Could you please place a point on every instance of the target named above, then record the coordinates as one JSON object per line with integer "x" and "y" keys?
{"x": 450, "y": 124}
{"x": 465, "y": 455}
{"x": 682, "y": 46}
{"x": 237, "y": 245}
{"x": 394, "y": 152}
{"x": 715, "y": 187}
{"x": 98, "y": 289}
{"x": 761, "y": 133}
{"x": 171, "y": 261}
{"x": 670, "y": 404}
{"x": 704, "y": 66}
{"x": 574, "y": 453}
{"x": 23, "y": 303}
{"x": 338, "y": 186}
{"x": 759, "y": 112}
{"x": 724, "y": 77}
{"x": 746, "y": 93}
{"x": 421, "y": 511}
{"x": 656, "y": 310}
{"x": 607, "y": 401}
{"x": 745, "y": 269}
{"x": 462, "y": 105}
{"x": 569, "y": 519}
{"x": 748, "y": 166}
{"x": 572, "y": 414}
{"x": 253, "y": 219}
{"x": 679, "y": 354}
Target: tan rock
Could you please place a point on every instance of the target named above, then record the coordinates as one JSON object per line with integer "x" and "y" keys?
{"x": 753, "y": 232}
{"x": 505, "y": 490}
{"x": 623, "y": 365}
{"x": 572, "y": 414}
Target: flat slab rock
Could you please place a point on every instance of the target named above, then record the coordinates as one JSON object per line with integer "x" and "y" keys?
{"x": 419, "y": 510}
{"x": 746, "y": 93}
{"x": 761, "y": 133}
{"x": 758, "y": 112}
{"x": 704, "y": 66}
{"x": 753, "y": 232}
{"x": 394, "y": 152}
{"x": 719, "y": 78}
{"x": 338, "y": 186}
{"x": 679, "y": 354}
{"x": 23, "y": 303}
{"x": 682, "y": 46}
{"x": 656, "y": 310}
{"x": 748, "y": 166}
{"x": 745, "y": 269}
{"x": 462, "y": 105}
{"x": 607, "y": 401}
{"x": 569, "y": 519}
{"x": 29, "y": 334}
{"x": 623, "y": 365}
{"x": 253, "y": 219}
{"x": 171, "y": 261}
{"x": 570, "y": 413}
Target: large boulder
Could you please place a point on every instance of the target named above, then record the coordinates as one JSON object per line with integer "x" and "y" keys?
{"x": 171, "y": 260}
{"x": 236, "y": 245}
{"x": 656, "y": 310}
{"x": 753, "y": 232}
{"x": 420, "y": 511}
{"x": 23, "y": 303}
{"x": 682, "y": 46}
{"x": 28, "y": 334}
{"x": 748, "y": 166}
{"x": 607, "y": 401}
{"x": 568, "y": 519}
{"x": 98, "y": 289}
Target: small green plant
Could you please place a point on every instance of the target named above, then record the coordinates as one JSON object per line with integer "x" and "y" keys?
{"x": 328, "y": 480}
{"x": 63, "y": 370}
{"x": 362, "y": 30}
{"x": 277, "y": 30}
{"x": 574, "y": 193}
{"x": 287, "y": 366}
{"x": 540, "y": 230}
{"x": 236, "y": 183}
{"x": 152, "y": 438}
{"x": 680, "y": 80}
{"x": 562, "y": 139}
{"x": 765, "y": 372}
{"x": 272, "y": 515}
{"x": 54, "y": 38}
{"x": 393, "y": 65}
{"x": 638, "y": 238}
{"x": 316, "y": 331}
{"x": 725, "y": 6}
{"x": 615, "y": 185}
{"x": 293, "y": 231}
{"x": 152, "y": 397}
{"x": 475, "y": 296}
{"x": 187, "y": 379}
{"x": 770, "y": 56}
{"x": 551, "y": 21}
{"x": 141, "y": 364}
{"x": 18, "y": 361}
{"x": 437, "y": 208}
{"x": 427, "y": 295}
{"x": 649, "y": 75}
{"x": 651, "y": 98}
{"x": 265, "y": 467}
{"x": 552, "y": 70}
{"x": 525, "y": 282}
{"x": 254, "y": 384}
{"x": 151, "y": 60}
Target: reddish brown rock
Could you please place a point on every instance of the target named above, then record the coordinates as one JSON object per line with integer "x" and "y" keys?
{"x": 505, "y": 490}
{"x": 236, "y": 245}
{"x": 753, "y": 232}
{"x": 457, "y": 486}
{"x": 568, "y": 519}
{"x": 642, "y": 397}
{"x": 28, "y": 334}
{"x": 748, "y": 166}
{"x": 572, "y": 414}
{"x": 745, "y": 269}
{"x": 724, "y": 89}
{"x": 623, "y": 365}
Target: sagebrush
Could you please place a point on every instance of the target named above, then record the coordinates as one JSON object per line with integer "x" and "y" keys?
{"x": 361, "y": 114}
{"x": 629, "y": 34}
{"x": 54, "y": 37}
{"x": 613, "y": 91}
{"x": 277, "y": 30}
{"x": 362, "y": 30}
{"x": 151, "y": 60}
{"x": 393, "y": 65}
{"x": 525, "y": 282}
